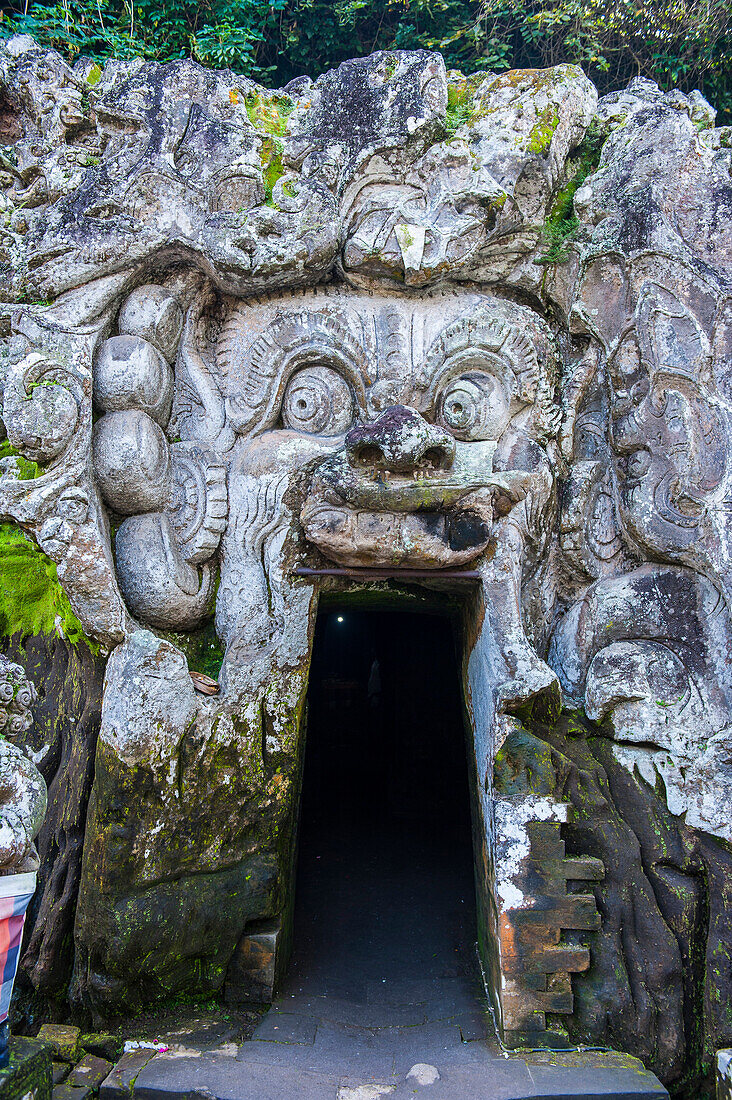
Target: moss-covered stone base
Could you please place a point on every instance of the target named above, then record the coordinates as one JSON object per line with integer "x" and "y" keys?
{"x": 29, "y": 1073}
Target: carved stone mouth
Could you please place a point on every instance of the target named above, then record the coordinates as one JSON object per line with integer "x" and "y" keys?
{"x": 423, "y": 488}
{"x": 429, "y": 539}
{"x": 385, "y": 491}
{"x": 423, "y": 518}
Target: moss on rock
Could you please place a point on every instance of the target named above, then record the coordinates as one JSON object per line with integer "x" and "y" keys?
{"x": 268, "y": 112}
{"x": 32, "y": 601}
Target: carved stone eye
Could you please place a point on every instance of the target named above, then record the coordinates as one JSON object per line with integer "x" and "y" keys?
{"x": 475, "y": 406}
{"x": 638, "y": 463}
{"x": 318, "y": 400}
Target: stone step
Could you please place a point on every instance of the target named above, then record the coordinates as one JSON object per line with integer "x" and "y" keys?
{"x": 343, "y": 1011}
{"x": 551, "y": 960}
{"x": 296, "y": 1019}
{"x": 461, "y": 1076}
{"x": 28, "y": 1072}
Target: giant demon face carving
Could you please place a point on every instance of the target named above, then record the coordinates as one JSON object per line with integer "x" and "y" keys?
{"x": 392, "y": 433}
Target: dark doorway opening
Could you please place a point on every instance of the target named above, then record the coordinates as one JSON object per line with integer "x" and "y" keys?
{"x": 385, "y": 898}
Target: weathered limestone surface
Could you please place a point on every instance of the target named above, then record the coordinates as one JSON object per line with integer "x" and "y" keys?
{"x": 62, "y": 743}
{"x": 22, "y": 788}
{"x": 249, "y": 332}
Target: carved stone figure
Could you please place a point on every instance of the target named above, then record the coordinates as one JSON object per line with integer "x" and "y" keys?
{"x": 22, "y": 789}
{"x": 262, "y": 345}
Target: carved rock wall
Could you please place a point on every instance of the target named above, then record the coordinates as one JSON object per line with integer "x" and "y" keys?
{"x": 62, "y": 742}
{"x": 656, "y": 982}
{"x": 253, "y": 335}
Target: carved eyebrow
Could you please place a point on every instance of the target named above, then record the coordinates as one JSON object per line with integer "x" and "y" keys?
{"x": 292, "y": 340}
{"x": 467, "y": 337}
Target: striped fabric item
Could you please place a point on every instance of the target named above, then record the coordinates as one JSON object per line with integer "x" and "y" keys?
{"x": 13, "y": 907}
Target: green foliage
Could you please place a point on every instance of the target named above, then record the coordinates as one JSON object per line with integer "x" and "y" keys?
{"x": 679, "y": 43}
{"x": 459, "y": 105}
{"x": 561, "y": 226}
{"x": 557, "y": 235}
{"x": 31, "y": 599}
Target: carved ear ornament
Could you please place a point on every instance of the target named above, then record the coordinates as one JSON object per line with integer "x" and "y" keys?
{"x": 175, "y": 496}
{"x": 41, "y": 406}
{"x": 671, "y": 339}
{"x": 590, "y": 534}
{"x": 195, "y": 374}
{"x": 198, "y": 503}
{"x": 158, "y": 585}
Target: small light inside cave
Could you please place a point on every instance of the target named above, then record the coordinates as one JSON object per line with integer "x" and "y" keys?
{"x": 340, "y": 618}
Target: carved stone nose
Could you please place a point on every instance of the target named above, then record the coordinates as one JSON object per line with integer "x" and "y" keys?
{"x": 400, "y": 441}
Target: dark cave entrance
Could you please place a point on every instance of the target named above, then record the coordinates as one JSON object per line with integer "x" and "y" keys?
{"x": 385, "y": 894}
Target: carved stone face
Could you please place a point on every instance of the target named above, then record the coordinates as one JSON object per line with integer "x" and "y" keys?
{"x": 418, "y": 421}
{"x": 388, "y": 431}
{"x": 417, "y": 404}
{"x": 183, "y": 451}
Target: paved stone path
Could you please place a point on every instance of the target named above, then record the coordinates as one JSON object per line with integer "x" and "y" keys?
{"x": 262, "y": 1071}
{"x": 405, "y": 1040}
{"x": 383, "y": 996}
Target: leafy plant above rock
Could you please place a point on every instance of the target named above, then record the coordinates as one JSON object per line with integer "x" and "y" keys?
{"x": 683, "y": 45}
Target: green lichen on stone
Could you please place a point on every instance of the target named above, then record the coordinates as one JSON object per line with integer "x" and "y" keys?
{"x": 26, "y": 295}
{"x": 270, "y": 155}
{"x": 94, "y": 75}
{"x": 540, "y": 138}
{"x": 26, "y": 470}
{"x": 268, "y": 112}
{"x": 29, "y": 1071}
{"x": 523, "y": 766}
{"x": 575, "y": 723}
{"x": 32, "y": 600}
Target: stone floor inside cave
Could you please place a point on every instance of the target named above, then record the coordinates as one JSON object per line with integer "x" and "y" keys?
{"x": 383, "y": 995}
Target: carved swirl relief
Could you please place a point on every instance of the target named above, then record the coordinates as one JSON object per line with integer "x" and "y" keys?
{"x": 22, "y": 789}
{"x": 172, "y": 495}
